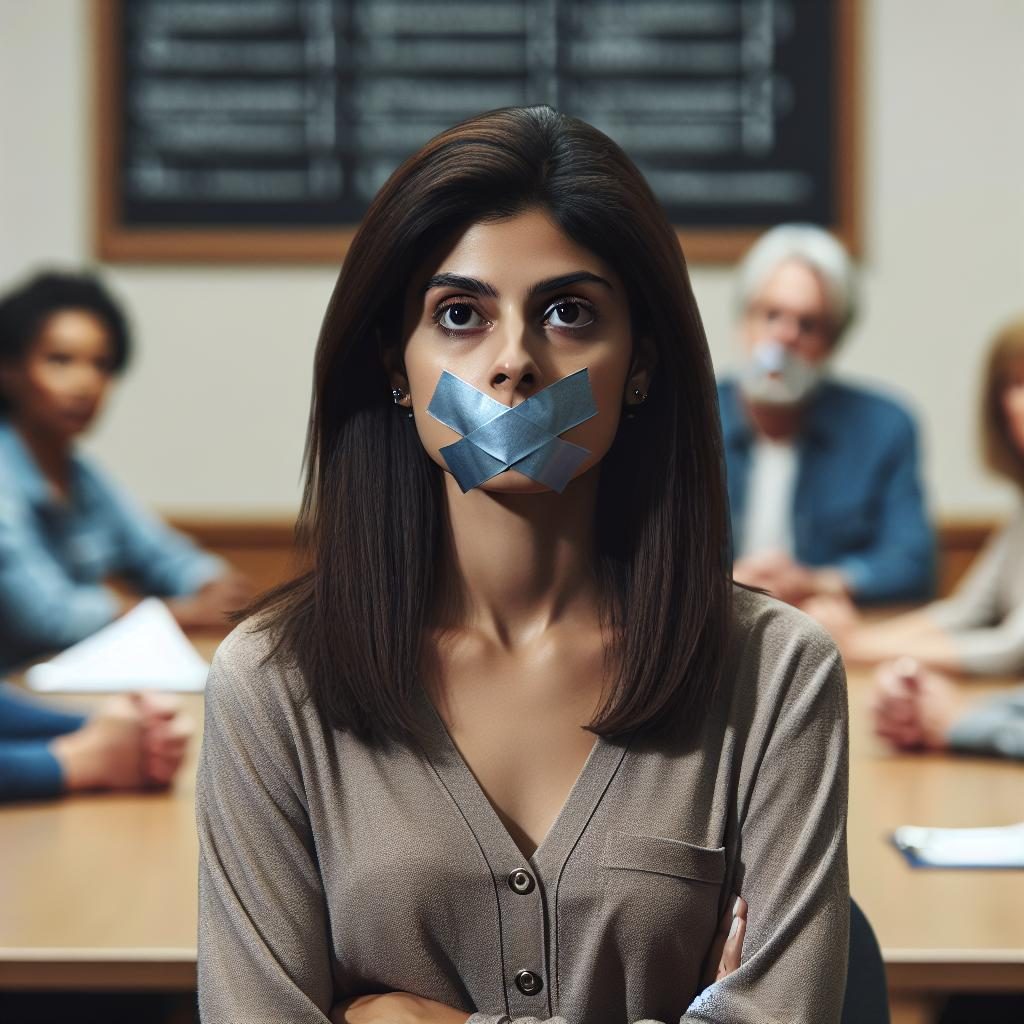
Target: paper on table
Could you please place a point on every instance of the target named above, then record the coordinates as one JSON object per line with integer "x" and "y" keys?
{"x": 143, "y": 650}
{"x": 1000, "y": 847}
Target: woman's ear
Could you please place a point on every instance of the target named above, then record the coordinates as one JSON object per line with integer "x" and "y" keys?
{"x": 397, "y": 377}
{"x": 641, "y": 371}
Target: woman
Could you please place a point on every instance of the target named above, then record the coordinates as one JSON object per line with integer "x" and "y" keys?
{"x": 65, "y": 529}
{"x": 980, "y": 629}
{"x": 513, "y": 744}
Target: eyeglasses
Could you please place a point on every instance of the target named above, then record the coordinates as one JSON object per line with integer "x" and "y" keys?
{"x": 770, "y": 316}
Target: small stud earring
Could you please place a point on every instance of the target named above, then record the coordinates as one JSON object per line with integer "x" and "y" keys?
{"x": 397, "y": 394}
{"x": 637, "y": 398}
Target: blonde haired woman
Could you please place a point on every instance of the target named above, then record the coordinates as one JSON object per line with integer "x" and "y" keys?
{"x": 979, "y": 630}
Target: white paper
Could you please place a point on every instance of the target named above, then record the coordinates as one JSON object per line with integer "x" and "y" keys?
{"x": 143, "y": 650}
{"x": 1000, "y": 847}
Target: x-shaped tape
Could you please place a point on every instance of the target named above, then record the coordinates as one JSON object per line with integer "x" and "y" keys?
{"x": 496, "y": 438}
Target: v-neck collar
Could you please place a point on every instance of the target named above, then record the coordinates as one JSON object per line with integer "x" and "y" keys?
{"x": 30, "y": 478}
{"x": 497, "y": 844}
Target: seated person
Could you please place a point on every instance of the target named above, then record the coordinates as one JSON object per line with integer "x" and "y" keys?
{"x": 824, "y": 486}
{"x": 980, "y": 629}
{"x": 130, "y": 742}
{"x": 65, "y": 529}
{"x": 916, "y": 708}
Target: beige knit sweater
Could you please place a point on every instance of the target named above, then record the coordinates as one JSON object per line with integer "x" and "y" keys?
{"x": 331, "y": 868}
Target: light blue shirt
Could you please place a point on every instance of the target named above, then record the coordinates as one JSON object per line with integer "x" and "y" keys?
{"x": 55, "y": 556}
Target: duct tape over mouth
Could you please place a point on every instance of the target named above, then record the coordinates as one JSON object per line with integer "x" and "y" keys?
{"x": 496, "y": 438}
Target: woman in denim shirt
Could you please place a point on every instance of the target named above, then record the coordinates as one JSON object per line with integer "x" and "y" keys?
{"x": 65, "y": 529}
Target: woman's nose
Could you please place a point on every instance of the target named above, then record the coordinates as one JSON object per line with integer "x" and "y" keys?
{"x": 514, "y": 371}
{"x": 88, "y": 382}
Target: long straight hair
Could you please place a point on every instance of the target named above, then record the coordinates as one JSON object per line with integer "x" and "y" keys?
{"x": 373, "y": 512}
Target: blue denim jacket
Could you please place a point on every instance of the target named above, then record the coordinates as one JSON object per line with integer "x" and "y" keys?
{"x": 55, "y": 556}
{"x": 859, "y": 505}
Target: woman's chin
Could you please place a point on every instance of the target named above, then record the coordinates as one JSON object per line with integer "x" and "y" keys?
{"x": 512, "y": 482}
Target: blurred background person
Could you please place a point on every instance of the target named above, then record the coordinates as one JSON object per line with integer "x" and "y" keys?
{"x": 824, "y": 483}
{"x": 979, "y": 630}
{"x": 135, "y": 741}
{"x": 65, "y": 529}
{"x": 916, "y": 708}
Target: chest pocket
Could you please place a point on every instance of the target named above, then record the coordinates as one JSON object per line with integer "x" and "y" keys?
{"x": 659, "y": 856}
{"x": 661, "y": 899}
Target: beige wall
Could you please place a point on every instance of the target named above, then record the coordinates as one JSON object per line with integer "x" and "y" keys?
{"x": 213, "y": 414}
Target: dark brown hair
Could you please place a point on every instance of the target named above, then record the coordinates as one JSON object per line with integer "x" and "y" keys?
{"x": 1005, "y": 357}
{"x": 25, "y": 310}
{"x": 373, "y": 512}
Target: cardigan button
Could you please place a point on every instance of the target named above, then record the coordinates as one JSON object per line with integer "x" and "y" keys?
{"x": 521, "y": 882}
{"x": 529, "y": 983}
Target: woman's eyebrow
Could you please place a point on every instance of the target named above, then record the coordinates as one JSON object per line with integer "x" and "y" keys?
{"x": 553, "y": 284}
{"x": 466, "y": 284}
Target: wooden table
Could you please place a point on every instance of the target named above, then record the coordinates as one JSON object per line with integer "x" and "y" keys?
{"x": 941, "y": 931}
{"x": 100, "y": 891}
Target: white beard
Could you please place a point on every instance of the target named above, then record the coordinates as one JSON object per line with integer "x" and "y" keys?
{"x": 775, "y": 375}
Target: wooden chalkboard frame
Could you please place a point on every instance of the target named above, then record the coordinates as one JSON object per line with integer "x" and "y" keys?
{"x": 117, "y": 242}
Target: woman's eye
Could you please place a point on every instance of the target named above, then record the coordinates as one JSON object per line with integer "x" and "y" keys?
{"x": 572, "y": 315}
{"x": 58, "y": 359}
{"x": 459, "y": 316}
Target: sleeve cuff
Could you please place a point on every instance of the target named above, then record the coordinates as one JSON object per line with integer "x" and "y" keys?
{"x": 857, "y": 574}
{"x": 876, "y": 579}
{"x": 948, "y": 614}
{"x": 997, "y": 727}
{"x": 23, "y": 718}
{"x": 29, "y": 771}
{"x": 200, "y": 571}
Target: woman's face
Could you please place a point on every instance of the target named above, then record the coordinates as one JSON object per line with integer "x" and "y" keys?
{"x": 59, "y": 386}
{"x": 511, "y": 307}
{"x": 1013, "y": 404}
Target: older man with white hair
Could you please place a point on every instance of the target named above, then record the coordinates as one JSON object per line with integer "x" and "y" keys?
{"x": 823, "y": 476}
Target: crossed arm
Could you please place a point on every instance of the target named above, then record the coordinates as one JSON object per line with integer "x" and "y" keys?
{"x": 405, "y": 1008}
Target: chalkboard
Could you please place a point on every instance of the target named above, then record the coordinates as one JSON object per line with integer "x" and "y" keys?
{"x": 260, "y": 129}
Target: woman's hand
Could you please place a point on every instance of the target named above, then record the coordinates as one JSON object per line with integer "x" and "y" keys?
{"x": 727, "y": 946}
{"x": 396, "y": 1008}
{"x": 131, "y": 742}
{"x": 914, "y": 708}
{"x": 166, "y": 734}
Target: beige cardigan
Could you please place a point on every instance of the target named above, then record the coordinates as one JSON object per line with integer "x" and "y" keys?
{"x": 330, "y": 868}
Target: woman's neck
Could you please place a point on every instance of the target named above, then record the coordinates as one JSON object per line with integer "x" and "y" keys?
{"x": 519, "y": 563}
{"x": 51, "y": 452}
